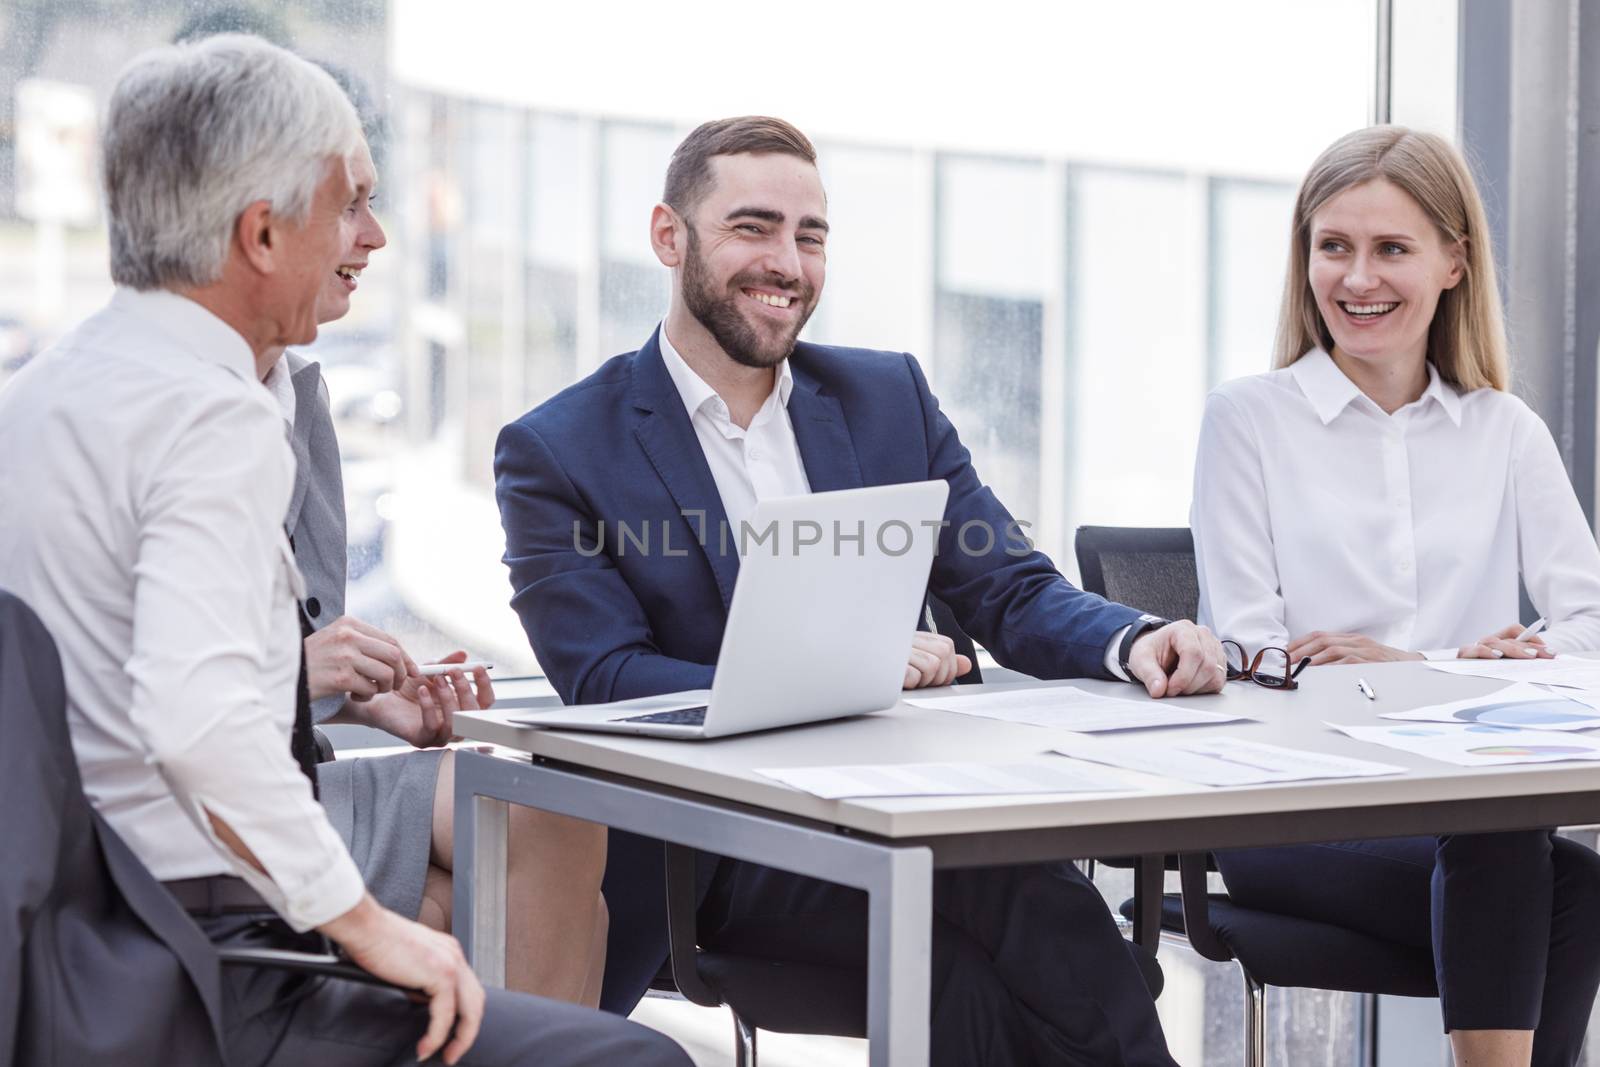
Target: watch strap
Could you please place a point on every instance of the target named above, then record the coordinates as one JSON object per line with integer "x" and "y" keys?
{"x": 1137, "y": 629}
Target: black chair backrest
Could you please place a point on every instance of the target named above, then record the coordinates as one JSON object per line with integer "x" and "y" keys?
{"x": 82, "y": 921}
{"x": 1149, "y": 568}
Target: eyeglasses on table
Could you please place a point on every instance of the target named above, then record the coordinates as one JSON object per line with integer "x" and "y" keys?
{"x": 1270, "y": 667}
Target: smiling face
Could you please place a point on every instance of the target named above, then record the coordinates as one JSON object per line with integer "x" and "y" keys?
{"x": 362, "y": 236}
{"x": 308, "y": 255}
{"x": 1377, "y": 267}
{"x": 756, "y": 255}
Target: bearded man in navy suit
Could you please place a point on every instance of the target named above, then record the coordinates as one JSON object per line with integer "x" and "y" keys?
{"x": 720, "y": 408}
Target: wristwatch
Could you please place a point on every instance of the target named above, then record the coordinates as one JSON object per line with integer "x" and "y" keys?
{"x": 1137, "y": 629}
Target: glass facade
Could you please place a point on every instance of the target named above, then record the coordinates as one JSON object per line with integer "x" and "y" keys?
{"x": 1075, "y": 216}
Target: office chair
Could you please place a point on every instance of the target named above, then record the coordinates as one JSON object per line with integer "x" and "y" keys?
{"x": 75, "y": 893}
{"x": 793, "y": 998}
{"x": 1151, "y": 569}
{"x": 1154, "y": 570}
{"x": 781, "y": 997}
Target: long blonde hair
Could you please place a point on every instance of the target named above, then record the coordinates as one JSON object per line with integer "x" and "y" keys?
{"x": 1467, "y": 339}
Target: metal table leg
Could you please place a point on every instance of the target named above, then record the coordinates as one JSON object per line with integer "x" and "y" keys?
{"x": 900, "y": 958}
{"x": 898, "y": 880}
{"x": 479, "y": 885}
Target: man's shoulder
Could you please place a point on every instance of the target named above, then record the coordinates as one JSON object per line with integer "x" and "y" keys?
{"x": 844, "y": 367}
{"x": 117, "y": 362}
{"x": 579, "y": 404}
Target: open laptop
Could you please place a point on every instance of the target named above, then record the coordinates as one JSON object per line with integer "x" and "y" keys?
{"x": 820, "y": 626}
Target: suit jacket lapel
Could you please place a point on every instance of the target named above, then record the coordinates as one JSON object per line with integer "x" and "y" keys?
{"x": 822, "y": 435}
{"x": 305, "y": 382}
{"x": 668, "y": 439}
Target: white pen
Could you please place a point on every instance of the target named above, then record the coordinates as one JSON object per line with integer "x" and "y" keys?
{"x": 1538, "y": 624}
{"x": 430, "y": 669}
{"x": 1366, "y": 690}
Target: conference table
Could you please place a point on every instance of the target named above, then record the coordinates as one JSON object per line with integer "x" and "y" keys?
{"x": 707, "y": 795}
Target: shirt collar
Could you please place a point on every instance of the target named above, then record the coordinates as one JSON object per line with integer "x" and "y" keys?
{"x": 692, "y": 388}
{"x": 1323, "y": 383}
{"x": 201, "y": 333}
{"x": 1330, "y": 392}
{"x": 1444, "y": 393}
{"x": 280, "y": 383}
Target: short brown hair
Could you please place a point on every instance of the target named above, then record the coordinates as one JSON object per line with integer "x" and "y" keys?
{"x": 689, "y": 173}
{"x": 1467, "y": 339}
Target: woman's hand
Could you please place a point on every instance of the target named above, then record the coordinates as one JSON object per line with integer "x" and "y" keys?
{"x": 1343, "y": 648}
{"x": 1504, "y": 645}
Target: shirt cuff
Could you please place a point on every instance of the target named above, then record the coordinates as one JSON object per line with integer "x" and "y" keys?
{"x": 1441, "y": 653}
{"x": 1113, "y": 663}
{"x": 314, "y": 903}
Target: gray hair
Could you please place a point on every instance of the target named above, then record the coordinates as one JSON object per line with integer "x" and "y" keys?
{"x": 195, "y": 133}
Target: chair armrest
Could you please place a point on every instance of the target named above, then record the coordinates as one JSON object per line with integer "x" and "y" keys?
{"x": 325, "y": 964}
{"x": 1192, "y": 868}
{"x": 681, "y": 928}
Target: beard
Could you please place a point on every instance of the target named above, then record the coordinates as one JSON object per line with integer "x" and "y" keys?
{"x": 759, "y": 346}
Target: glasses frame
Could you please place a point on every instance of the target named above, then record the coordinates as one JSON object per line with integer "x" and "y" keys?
{"x": 1266, "y": 679}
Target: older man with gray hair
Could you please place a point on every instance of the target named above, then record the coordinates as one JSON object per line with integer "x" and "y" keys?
{"x": 144, "y": 477}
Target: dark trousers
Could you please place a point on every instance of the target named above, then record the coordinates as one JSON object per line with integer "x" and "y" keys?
{"x": 1513, "y": 919}
{"x": 276, "y": 1019}
{"x": 1028, "y": 965}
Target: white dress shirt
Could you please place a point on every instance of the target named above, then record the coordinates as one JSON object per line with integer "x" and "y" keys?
{"x": 747, "y": 465}
{"x": 1315, "y": 510}
{"x": 763, "y": 461}
{"x": 144, "y": 476}
{"x": 281, "y": 385}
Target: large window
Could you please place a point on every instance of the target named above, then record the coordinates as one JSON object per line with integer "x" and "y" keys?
{"x": 1073, "y": 214}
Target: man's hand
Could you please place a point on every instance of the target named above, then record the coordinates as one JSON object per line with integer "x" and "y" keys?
{"x": 934, "y": 661}
{"x": 422, "y": 711}
{"x": 349, "y": 656}
{"x": 1177, "y": 660}
{"x": 414, "y": 957}
{"x": 1344, "y": 648}
{"x": 1504, "y": 645}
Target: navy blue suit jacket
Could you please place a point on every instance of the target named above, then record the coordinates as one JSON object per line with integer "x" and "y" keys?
{"x": 610, "y": 618}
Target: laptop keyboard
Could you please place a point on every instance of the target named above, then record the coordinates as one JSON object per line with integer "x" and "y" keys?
{"x": 676, "y": 717}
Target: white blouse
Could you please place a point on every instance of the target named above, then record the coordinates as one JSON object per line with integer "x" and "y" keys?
{"x": 1315, "y": 510}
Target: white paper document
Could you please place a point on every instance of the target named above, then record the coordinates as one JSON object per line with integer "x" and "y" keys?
{"x": 1478, "y": 745}
{"x": 1223, "y": 761}
{"x": 946, "y": 779}
{"x": 1527, "y": 707}
{"x": 1568, "y": 672}
{"x": 1069, "y": 708}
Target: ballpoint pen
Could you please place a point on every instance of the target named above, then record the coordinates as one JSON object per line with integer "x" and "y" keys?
{"x": 1366, "y": 690}
{"x": 1538, "y": 624}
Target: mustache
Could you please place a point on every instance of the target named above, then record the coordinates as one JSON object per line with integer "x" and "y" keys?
{"x": 797, "y": 287}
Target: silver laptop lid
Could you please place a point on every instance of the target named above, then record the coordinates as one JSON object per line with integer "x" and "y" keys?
{"x": 829, "y": 592}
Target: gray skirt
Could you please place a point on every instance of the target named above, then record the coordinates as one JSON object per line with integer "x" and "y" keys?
{"x": 383, "y": 808}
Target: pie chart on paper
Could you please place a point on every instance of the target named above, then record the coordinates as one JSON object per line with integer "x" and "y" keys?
{"x": 1532, "y": 713}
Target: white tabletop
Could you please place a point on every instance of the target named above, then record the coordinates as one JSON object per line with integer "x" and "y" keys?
{"x": 725, "y": 768}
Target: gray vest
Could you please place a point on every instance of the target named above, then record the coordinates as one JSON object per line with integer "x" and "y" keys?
{"x": 316, "y": 509}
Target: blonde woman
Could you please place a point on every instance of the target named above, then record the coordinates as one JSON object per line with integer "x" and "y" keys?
{"x": 1378, "y": 496}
